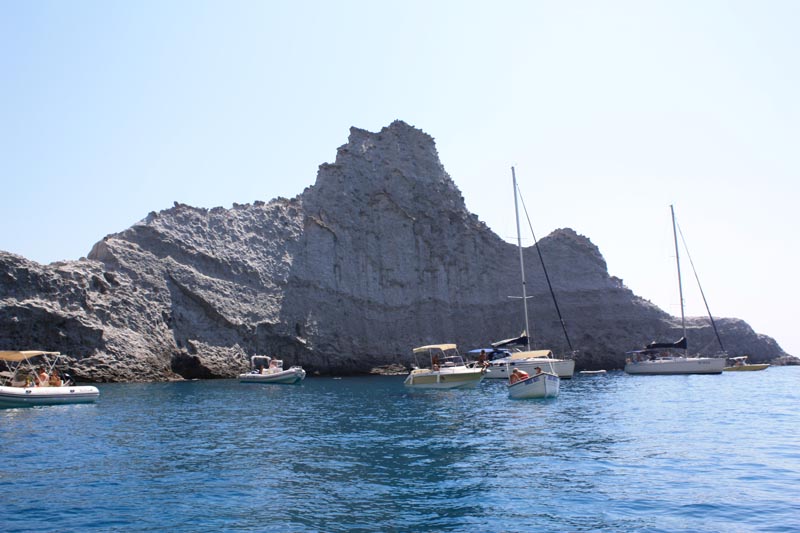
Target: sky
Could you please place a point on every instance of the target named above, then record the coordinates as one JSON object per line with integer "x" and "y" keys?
{"x": 609, "y": 111}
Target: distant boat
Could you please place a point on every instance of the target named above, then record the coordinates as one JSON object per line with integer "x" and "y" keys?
{"x": 671, "y": 358}
{"x": 265, "y": 369}
{"x": 440, "y": 366}
{"x": 23, "y": 386}
{"x": 592, "y": 372}
{"x": 543, "y": 384}
{"x": 740, "y": 364}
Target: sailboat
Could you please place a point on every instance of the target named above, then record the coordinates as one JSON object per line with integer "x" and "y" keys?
{"x": 502, "y": 358}
{"x": 672, "y": 358}
{"x": 542, "y": 384}
{"x": 516, "y": 353}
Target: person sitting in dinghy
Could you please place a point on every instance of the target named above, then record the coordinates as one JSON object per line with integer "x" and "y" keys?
{"x": 55, "y": 379}
{"x": 517, "y": 375}
{"x": 42, "y": 378}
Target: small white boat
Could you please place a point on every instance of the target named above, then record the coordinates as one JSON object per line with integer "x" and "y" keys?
{"x": 592, "y": 372}
{"x": 264, "y": 369}
{"x": 740, "y": 364}
{"x": 23, "y": 386}
{"x": 541, "y": 385}
{"x": 440, "y": 366}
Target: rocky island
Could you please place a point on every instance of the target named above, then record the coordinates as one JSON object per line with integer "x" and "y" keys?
{"x": 378, "y": 256}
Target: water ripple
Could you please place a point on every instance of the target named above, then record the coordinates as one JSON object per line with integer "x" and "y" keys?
{"x": 612, "y": 453}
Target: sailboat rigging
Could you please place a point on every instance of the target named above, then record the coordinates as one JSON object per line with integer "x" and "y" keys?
{"x": 500, "y": 365}
{"x": 660, "y": 358}
{"x": 699, "y": 286}
{"x": 544, "y": 269}
{"x": 542, "y": 384}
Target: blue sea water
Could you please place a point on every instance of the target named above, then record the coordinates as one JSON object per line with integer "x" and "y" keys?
{"x": 612, "y": 453}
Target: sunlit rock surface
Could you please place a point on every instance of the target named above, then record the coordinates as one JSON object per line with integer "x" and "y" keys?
{"x": 378, "y": 256}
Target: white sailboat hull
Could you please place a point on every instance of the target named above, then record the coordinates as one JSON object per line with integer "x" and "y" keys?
{"x": 563, "y": 368}
{"x": 676, "y": 365}
{"x": 543, "y": 385}
{"x": 32, "y": 396}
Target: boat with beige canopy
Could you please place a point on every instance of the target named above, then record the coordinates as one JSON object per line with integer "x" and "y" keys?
{"x": 32, "y": 378}
{"x": 440, "y": 366}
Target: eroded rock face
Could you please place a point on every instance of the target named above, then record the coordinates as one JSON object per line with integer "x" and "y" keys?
{"x": 380, "y": 255}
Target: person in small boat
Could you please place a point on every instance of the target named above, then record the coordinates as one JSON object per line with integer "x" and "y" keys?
{"x": 55, "y": 379}
{"x": 435, "y": 362}
{"x": 538, "y": 370}
{"x": 42, "y": 377}
{"x": 517, "y": 375}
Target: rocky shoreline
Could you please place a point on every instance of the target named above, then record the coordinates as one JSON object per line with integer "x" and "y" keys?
{"x": 378, "y": 256}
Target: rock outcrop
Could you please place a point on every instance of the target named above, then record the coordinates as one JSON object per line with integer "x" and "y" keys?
{"x": 380, "y": 255}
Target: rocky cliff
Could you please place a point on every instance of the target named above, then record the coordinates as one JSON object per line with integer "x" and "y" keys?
{"x": 380, "y": 255}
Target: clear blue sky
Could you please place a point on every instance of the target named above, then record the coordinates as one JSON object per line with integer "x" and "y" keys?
{"x": 610, "y": 111}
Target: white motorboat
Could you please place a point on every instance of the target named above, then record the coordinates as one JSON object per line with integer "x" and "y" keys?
{"x": 539, "y": 385}
{"x": 672, "y": 358}
{"x": 440, "y": 366}
{"x": 25, "y": 386}
{"x": 264, "y": 369}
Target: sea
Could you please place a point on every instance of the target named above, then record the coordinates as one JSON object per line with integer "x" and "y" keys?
{"x": 613, "y": 452}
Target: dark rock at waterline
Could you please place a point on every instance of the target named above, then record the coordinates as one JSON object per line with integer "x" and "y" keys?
{"x": 378, "y": 256}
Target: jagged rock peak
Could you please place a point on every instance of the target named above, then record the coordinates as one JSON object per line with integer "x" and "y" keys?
{"x": 400, "y": 162}
{"x": 397, "y": 141}
{"x": 581, "y": 243}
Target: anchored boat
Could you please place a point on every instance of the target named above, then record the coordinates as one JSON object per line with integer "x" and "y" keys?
{"x": 33, "y": 379}
{"x": 672, "y": 358}
{"x": 540, "y": 385}
{"x": 501, "y": 361}
{"x": 740, "y": 364}
{"x": 265, "y": 369}
{"x": 520, "y": 384}
{"x": 440, "y": 366}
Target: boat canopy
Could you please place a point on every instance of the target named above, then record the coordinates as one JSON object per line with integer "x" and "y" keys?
{"x": 23, "y": 355}
{"x": 442, "y": 347}
{"x": 259, "y": 360}
{"x": 679, "y": 344}
{"x": 533, "y": 354}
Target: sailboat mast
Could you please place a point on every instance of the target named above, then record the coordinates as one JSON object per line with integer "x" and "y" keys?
{"x": 521, "y": 260}
{"x": 678, "y": 262}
